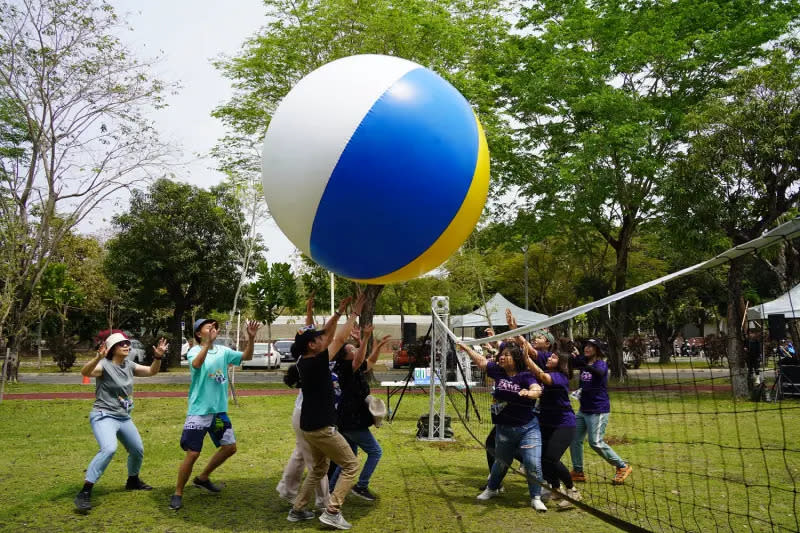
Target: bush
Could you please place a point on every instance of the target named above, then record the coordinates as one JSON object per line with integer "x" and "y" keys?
{"x": 715, "y": 349}
{"x": 63, "y": 350}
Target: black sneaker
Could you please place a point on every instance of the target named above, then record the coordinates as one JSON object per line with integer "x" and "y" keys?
{"x": 363, "y": 493}
{"x": 134, "y": 483}
{"x": 302, "y": 514}
{"x": 175, "y": 502}
{"x": 210, "y": 487}
{"x": 82, "y": 502}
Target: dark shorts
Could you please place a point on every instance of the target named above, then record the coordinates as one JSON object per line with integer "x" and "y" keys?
{"x": 217, "y": 425}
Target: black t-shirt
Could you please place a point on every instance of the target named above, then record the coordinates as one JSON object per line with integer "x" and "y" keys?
{"x": 318, "y": 410}
{"x": 353, "y": 410}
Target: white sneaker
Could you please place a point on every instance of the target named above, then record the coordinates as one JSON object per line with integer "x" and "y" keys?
{"x": 488, "y": 494}
{"x": 572, "y": 493}
{"x": 334, "y": 520}
{"x": 538, "y": 504}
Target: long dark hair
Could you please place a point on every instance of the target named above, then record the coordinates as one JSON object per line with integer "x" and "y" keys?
{"x": 563, "y": 364}
{"x": 292, "y": 377}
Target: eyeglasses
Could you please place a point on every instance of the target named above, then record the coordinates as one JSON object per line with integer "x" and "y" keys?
{"x": 310, "y": 327}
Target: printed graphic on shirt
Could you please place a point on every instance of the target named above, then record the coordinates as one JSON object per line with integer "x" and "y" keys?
{"x": 126, "y": 403}
{"x": 586, "y": 375}
{"x": 218, "y": 376}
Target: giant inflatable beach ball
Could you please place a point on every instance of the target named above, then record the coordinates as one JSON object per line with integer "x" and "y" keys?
{"x": 376, "y": 168}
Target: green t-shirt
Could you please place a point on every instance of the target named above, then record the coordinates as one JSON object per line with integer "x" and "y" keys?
{"x": 208, "y": 392}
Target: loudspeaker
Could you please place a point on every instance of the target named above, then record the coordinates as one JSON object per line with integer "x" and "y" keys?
{"x": 409, "y": 333}
{"x": 777, "y": 327}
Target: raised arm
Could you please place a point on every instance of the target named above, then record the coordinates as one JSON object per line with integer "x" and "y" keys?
{"x": 344, "y": 332}
{"x": 310, "y": 309}
{"x": 477, "y": 358}
{"x": 90, "y": 369}
{"x": 540, "y": 374}
{"x": 205, "y": 346}
{"x": 252, "y": 329}
{"x": 358, "y": 358}
{"x": 376, "y": 349}
{"x": 158, "y": 354}
{"x": 330, "y": 325}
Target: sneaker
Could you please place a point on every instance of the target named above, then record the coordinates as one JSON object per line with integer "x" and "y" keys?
{"x": 578, "y": 477}
{"x": 82, "y": 502}
{"x": 134, "y": 483}
{"x": 572, "y": 493}
{"x": 175, "y": 502}
{"x": 538, "y": 504}
{"x": 622, "y": 474}
{"x": 488, "y": 494}
{"x": 302, "y": 514}
{"x": 363, "y": 493}
{"x": 547, "y": 495}
{"x": 334, "y": 520}
{"x": 210, "y": 487}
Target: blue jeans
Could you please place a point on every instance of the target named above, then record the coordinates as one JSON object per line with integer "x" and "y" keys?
{"x": 525, "y": 439}
{"x": 592, "y": 426}
{"x": 107, "y": 429}
{"x": 361, "y": 438}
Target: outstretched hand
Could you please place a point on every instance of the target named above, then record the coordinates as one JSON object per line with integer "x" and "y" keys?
{"x": 252, "y": 328}
{"x": 161, "y": 348}
{"x": 360, "y": 301}
{"x": 510, "y": 320}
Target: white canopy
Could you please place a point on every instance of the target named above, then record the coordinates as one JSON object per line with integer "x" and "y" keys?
{"x": 496, "y": 306}
{"x": 787, "y": 305}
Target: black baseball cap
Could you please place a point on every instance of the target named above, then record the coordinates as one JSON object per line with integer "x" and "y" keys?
{"x": 303, "y": 337}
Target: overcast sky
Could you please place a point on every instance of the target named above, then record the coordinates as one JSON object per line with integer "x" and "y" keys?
{"x": 187, "y": 34}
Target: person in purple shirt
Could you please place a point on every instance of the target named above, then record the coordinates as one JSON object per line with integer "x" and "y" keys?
{"x": 592, "y": 417}
{"x": 515, "y": 392}
{"x": 557, "y": 422}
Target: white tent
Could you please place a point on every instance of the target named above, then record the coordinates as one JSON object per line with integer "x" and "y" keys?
{"x": 496, "y": 306}
{"x": 787, "y": 305}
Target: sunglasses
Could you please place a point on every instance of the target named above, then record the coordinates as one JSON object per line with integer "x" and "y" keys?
{"x": 306, "y": 328}
{"x": 123, "y": 344}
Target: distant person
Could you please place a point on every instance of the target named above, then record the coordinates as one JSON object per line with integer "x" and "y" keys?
{"x": 208, "y": 405}
{"x": 592, "y": 417}
{"x": 110, "y": 416}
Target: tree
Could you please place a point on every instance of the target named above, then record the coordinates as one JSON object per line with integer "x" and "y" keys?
{"x": 72, "y": 105}
{"x": 741, "y": 172}
{"x": 602, "y": 90}
{"x": 274, "y": 289}
{"x": 455, "y": 38}
{"x": 176, "y": 248}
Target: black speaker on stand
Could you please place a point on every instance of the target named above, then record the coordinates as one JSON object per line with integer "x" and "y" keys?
{"x": 777, "y": 327}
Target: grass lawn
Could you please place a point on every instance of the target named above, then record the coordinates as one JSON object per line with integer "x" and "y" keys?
{"x": 701, "y": 462}
{"x": 47, "y": 445}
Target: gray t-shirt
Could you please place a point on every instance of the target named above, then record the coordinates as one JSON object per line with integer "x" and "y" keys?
{"x": 114, "y": 391}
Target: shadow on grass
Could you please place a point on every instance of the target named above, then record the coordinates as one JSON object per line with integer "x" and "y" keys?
{"x": 261, "y": 510}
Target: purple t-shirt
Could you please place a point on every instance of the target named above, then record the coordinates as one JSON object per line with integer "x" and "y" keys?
{"x": 554, "y": 407}
{"x": 594, "y": 388}
{"x": 510, "y": 408}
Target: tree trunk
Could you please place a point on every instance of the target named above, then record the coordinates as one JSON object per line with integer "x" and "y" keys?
{"x": 736, "y": 356}
{"x": 173, "y": 357}
{"x": 664, "y": 343}
{"x": 365, "y": 319}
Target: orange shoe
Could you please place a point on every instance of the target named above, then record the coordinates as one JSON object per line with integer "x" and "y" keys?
{"x": 622, "y": 474}
{"x": 578, "y": 477}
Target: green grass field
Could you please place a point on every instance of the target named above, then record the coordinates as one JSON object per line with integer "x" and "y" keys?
{"x": 693, "y": 454}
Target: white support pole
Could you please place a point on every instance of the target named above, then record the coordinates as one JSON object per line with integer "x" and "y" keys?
{"x": 440, "y": 305}
{"x": 331, "y": 293}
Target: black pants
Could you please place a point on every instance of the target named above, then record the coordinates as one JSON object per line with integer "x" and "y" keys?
{"x": 555, "y": 442}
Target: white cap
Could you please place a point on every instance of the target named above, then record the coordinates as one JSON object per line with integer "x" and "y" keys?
{"x": 114, "y": 338}
{"x": 376, "y": 408}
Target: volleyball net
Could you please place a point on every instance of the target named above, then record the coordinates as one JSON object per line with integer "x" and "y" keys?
{"x": 703, "y": 459}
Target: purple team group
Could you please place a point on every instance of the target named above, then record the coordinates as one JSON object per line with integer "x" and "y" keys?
{"x": 334, "y": 411}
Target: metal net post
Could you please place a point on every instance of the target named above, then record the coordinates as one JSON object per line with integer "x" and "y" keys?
{"x": 440, "y": 306}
